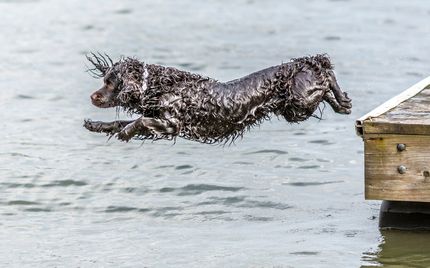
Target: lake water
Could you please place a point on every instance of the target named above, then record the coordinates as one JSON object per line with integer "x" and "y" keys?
{"x": 284, "y": 196}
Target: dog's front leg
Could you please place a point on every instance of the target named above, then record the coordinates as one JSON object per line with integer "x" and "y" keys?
{"x": 149, "y": 127}
{"x": 106, "y": 127}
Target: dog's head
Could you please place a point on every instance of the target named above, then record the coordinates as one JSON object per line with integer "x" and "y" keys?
{"x": 124, "y": 82}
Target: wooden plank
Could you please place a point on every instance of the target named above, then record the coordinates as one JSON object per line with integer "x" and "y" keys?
{"x": 382, "y": 159}
{"x": 419, "y": 128}
{"x": 413, "y": 110}
{"x": 411, "y": 117}
{"x": 391, "y": 103}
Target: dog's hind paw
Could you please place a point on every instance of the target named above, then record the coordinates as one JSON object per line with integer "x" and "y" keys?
{"x": 342, "y": 106}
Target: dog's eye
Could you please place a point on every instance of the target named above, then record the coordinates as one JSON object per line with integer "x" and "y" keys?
{"x": 110, "y": 80}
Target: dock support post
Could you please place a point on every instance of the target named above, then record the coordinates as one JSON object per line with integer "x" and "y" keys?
{"x": 404, "y": 215}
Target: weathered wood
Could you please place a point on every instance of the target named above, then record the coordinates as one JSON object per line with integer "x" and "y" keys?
{"x": 393, "y": 103}
{"x": 411, "y": 117}
{"x": 400, "y": 129}
{"x": 382, "y": 160}
{"x": 393, "y": 174}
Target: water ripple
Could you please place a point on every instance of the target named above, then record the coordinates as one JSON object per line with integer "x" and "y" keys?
{"x": 195, "y": 189}
{"x": 269, "y": 151}
{"x": 244, "y": 202}
{"x": 183, "y": 167}
{"x": 313, "y": 183}
{"x": 64, "y": 183}
{"x": 111, "y": 209}
{"x": 17, "y": 185}
{"x": 323, "y": 142}
{"x": 305, "y": 253}
{"x": 21, "y": 203}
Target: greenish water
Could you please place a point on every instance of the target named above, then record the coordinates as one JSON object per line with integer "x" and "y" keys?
{"x": 284, "y": 196}
{"x": 400, "y": 249}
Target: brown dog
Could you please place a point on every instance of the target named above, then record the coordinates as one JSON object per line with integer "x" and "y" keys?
{"x": 174, "y": 103}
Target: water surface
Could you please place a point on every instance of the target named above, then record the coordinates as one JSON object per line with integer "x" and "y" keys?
{"x": 284, "y": 196}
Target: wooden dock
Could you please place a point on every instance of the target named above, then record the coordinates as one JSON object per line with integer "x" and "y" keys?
{"x": 397, "y": 146}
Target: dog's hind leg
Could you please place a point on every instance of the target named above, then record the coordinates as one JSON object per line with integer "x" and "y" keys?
{"x": 149, "y": 127}
{"x": 306, "y": 89}
{"x": 106, "y": 127}
{"x": 337, "y": 107}
{"x": 307, "y": 94}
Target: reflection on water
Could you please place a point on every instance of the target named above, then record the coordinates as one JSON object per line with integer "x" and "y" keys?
{"x": 400, "y": 249}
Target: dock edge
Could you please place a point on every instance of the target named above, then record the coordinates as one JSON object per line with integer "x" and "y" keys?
{"x": 390, "y": 104}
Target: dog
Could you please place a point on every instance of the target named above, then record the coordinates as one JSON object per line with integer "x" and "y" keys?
{"x": 174, "y": 103}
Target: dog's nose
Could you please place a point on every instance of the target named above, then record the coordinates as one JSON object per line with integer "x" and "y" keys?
{"x": 96, "y": 97}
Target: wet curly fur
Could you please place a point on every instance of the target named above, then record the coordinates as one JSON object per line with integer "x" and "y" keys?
{"x": 174, "y": 103}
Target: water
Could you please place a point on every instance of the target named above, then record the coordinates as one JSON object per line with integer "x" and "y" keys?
{"x": 284, "y": 196}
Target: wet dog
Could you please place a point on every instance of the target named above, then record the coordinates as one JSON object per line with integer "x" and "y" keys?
{"x": 173, "y": 103}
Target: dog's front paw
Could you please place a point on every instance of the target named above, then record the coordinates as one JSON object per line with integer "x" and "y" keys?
{"x": 127, "y": 133}
{"x": 92, "y": 126}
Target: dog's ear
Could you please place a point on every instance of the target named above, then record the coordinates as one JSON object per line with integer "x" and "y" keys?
{"x": 133, "y": 76}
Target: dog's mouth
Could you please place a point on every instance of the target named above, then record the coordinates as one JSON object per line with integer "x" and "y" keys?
{"x": 101, "y": 99}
